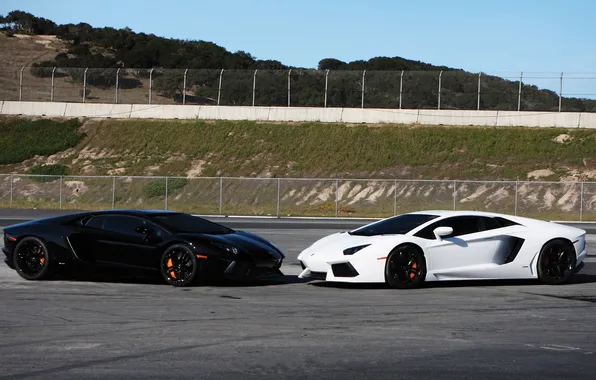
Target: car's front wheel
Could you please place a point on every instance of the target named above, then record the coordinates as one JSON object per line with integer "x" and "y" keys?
{"x": 556, "y": 262}
{"x": 31, "y": 259}
{"x": 179, "y": 266}
{"x": 405, "y": 267}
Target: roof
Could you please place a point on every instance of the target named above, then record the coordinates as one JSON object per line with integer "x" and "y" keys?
{"x": 458, "y": 213}
{"x": 131, "y": 212}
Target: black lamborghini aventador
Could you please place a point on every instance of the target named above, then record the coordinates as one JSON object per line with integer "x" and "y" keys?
{"x": 183, "y": 247}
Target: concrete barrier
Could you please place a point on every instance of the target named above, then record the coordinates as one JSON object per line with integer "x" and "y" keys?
{"x": 303, "y": 114}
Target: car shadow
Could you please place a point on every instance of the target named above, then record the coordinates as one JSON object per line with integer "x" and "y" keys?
{"x": 143, "y": 278}
{"x": 576, "y": 279}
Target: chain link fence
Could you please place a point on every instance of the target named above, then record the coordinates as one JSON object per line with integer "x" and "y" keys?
{"x": 305, "y": 197}
{"x": 448, "y": 90}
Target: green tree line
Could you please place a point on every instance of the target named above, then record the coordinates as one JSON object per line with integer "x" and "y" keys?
{"x": 109, "y": 48}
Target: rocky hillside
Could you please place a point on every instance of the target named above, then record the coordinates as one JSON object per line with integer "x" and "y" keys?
{"x": 197, "y": 153}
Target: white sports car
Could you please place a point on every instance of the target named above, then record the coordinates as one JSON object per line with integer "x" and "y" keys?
{"x": 407, "y": 249}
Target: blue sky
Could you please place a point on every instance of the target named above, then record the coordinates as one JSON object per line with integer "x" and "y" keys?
{"x": 501, "y": 37}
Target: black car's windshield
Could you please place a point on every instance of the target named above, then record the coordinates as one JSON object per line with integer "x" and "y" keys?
{"x": 185, "y": 223}
{"x": 400, "y": 224}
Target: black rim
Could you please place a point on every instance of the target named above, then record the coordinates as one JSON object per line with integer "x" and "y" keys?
{"x": 557, "y": 262}
{"x": 31, "y": 258}
{"x": 178, "y": 265}
{"x": 404, "y": 266}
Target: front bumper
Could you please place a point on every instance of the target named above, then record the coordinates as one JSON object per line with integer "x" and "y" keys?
{"x": 242, "y": 268}
{"x": 8, "y": 258}
{"x": 357, "y": 269}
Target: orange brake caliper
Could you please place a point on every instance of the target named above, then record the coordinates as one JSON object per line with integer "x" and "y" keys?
{"x": 170, "y": 266}
{"x": 414, "y": 266}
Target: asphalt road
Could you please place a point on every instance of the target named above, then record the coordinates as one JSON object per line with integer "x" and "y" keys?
{"x": 289, "y": 329}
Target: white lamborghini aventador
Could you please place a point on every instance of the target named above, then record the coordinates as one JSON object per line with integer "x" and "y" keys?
{"x": 407, "y": 249}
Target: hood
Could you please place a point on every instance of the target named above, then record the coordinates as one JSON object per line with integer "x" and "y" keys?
{"x": 334, "y": 245}
{"x": 246, "y": 243}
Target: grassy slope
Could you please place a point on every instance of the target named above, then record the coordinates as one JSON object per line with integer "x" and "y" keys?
{"x": 309, "y": 149}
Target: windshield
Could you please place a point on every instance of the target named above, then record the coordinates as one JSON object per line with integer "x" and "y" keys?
{"x": 184, "y": 223}
{"x": 400, "y": 224}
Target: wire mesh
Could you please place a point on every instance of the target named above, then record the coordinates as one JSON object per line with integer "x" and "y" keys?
{"x": 449, "y": 90}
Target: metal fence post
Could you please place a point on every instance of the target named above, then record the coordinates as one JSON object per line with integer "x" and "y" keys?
{"x": 326, "y": 83}
{"x": 220, "y": 196}
{"x": 581, "y": 203}
{"x": 61, "y": 180}
{"x": 85, "y": 85}
{"x": 289, "y": 87}
{"x": 363, "y": 76}
{"x": 278, "y": 194}
{"x": 11, "y": 189}
{"x": 184, "y": 88}
{"x": 150, "y": 84}
{"x": 401, "y": 87}
{"x": 336, "y": 198}
{"x": 561, "y": 92}
{"x": 439, "y": 97}
{"x": 521, "y": 77}
{"x": 516, "y": 187}
{"x": 478, "y": 106}
{"x": 117, "y": 82}
{"x": 52, "y": 91}
{"x": 21, "y": 84}
{"x": 254, "y": 87}
{"x": 166, "y": 200}
{"x": 454, "y": 194}
{"x": 113, "y": 192}
{"x": 219, "y": 87}
{"x": 395, "y": 199}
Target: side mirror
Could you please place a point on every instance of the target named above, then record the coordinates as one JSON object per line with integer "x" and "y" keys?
{"x": 442, "y": 231}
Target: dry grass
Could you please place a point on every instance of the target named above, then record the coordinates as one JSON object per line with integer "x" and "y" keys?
{"x": 24, "y": 50}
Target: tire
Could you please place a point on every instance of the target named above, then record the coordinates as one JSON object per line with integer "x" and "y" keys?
{"x": 32, "y": 260}
{"x": 179, "y": 266}
{"x": 405, "y": 267}
{"x": 556, "y": 262}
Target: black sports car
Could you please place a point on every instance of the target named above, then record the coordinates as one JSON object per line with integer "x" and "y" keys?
{"x": 183, "y": 247}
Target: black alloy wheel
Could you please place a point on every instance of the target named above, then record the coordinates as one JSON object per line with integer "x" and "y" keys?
{"x": 405, "y": 268}
{"x": 556, "y": 262}
{"x": 31, "y": 259}
{"x": 179, "y": 266}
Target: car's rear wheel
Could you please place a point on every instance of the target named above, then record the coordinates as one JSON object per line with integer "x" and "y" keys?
{"x": 179, "y": 266}
{"x": 31, "y": 259}
{"x": 556, "y": 262}
{"x": 405, "y": 267}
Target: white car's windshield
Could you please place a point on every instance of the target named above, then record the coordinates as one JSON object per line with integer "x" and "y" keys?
{"x": 400, "y": 224}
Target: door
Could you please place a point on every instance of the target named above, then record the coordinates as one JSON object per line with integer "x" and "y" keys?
{"x": 119, "y": 240}
{"x": 470, "y": 249}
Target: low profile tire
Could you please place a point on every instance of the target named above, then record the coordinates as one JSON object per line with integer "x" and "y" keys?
{"x": 32, "y": 260}
{"x": 179, "y": 265}
{"x": 405, "y": 267}
{"x": 556, "y": 262}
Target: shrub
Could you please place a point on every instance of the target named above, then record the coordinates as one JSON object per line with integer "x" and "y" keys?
{"x": 157, "y": 188}
{"x": 52, "y": 171}
{"x": 22, "y": 139}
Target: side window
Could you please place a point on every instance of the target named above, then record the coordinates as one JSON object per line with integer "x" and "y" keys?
{"x": 95, "y": 222}
{"x": 462, "y": 225}
{"x": 490, "y": 223}
{"x": 122, "y": 224}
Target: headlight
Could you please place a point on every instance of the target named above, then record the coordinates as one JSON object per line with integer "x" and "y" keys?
{"x": 351, "y": 251}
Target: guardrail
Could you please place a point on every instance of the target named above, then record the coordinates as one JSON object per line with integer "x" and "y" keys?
{"x": 313, "y": 197}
